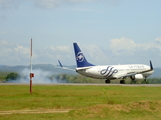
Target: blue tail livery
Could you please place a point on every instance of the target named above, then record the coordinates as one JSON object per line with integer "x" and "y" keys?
{"x": 80, "y": 58}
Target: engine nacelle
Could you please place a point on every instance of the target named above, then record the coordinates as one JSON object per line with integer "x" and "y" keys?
{"x": 137, "y": 77}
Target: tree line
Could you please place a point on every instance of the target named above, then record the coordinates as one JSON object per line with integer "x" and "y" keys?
{"x": 66, "y": 78}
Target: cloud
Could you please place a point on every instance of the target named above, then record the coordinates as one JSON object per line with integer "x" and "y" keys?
{"x": 94, "y": 53}
{"x": 122, "y": 44}
{"x": 125, "y": 50}
{"x": 120, "y": 50}
{"x": 6, "y": 4}
{"x": 49, "y": 4}
{"x": 125, "y": 44}
{"x": 15, "y": 54}
{"x": 52, "y": 54}
{"x": 46, "y": 4}
{"x": 2, "y": 32}
{"x": 12, "y": 53}
{"x": 158, "y": 40}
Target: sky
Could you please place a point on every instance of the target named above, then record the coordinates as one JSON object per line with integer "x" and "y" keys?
{"x": 108, "y": 31}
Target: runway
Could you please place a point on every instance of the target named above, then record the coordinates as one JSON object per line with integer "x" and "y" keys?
{"x": 83, "y": 84}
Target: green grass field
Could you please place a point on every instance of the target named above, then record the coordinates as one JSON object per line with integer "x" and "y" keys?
{"x": 80, "y": 102}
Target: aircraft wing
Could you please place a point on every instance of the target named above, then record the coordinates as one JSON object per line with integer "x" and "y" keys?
{"x": 61, "y": 66}
{"x": 126, "y": 75}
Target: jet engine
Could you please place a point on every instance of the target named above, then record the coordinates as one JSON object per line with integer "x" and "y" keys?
{"x": 137, "y": 77}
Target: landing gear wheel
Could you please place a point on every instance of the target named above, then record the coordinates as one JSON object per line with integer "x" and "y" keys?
{"x": 122, "y": 81}
{"x": 107, "y": 81}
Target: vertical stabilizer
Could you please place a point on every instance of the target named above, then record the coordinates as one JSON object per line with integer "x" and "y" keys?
{"x": 80, "y": 58}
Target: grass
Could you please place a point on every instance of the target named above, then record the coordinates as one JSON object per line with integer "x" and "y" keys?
{"x": 84, "y": 102}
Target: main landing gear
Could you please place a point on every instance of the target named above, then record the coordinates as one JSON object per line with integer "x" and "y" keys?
{"x": 107, "y": 81}
{"x": 122, "y": 81}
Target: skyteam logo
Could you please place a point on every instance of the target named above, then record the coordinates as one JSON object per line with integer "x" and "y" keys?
{"x": 108, "y": 72}
{"x": 80, "y": 57}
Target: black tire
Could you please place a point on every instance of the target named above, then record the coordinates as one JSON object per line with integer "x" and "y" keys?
{"x": 122, "y": 81}
{"x": 107, "y": 81}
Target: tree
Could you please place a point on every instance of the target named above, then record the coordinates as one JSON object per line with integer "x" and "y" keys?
{"x": 12, "y": 76}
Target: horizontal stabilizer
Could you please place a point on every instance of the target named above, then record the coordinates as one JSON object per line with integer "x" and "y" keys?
{"x": 83, "y": 68}
{"x": 65, "y": 67}
{"x": 60, "y": 64}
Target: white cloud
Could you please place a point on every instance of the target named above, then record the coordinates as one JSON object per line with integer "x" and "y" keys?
{"x": 49, "y": 4}
{"x": 126, "y": 44}
{"x": 120, "y": 50}
{"x": 55, "y": 3}
{"x": 52, "y": 54}
{"x": 158, "y": 40}
{"x": 13, "y": 54}
{"x": 125, "y": 50}
{"x": 123, "y": 44}
{"x": 5, "y": 4}
{"x": 2, "y": 32}
{"x": 94, "y": 53}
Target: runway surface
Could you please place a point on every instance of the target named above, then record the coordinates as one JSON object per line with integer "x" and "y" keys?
{"x": 82, "y": 84}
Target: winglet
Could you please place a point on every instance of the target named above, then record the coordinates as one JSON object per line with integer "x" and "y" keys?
{"x": 60, "y": 64}
{"x": 151, "y": 66}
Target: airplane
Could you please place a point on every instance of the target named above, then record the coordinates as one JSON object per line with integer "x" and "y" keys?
{"x": 110, "y": 72}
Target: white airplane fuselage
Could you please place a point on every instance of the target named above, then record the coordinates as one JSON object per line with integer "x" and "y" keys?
{"x": 110, "y": 72}
{"x": 113, "y": 71}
